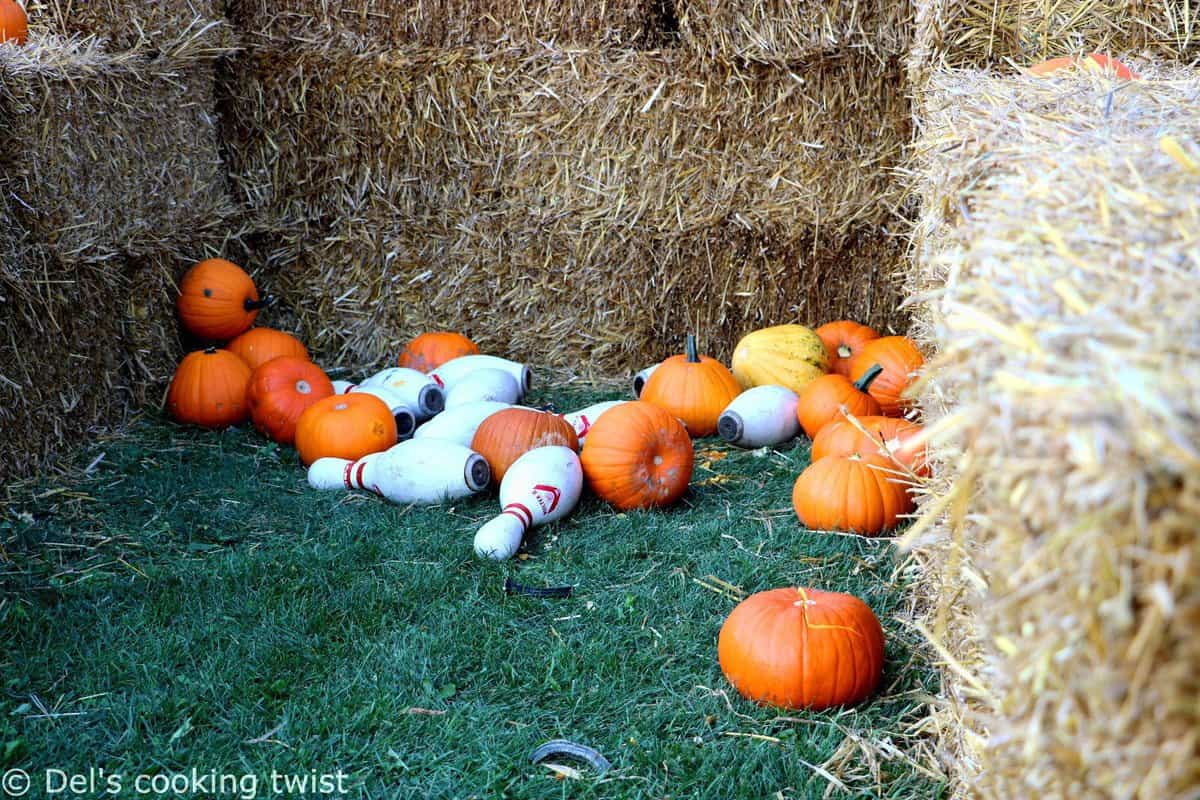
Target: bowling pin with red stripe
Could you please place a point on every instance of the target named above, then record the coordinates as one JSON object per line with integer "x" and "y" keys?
{"x": 456, "y": 370}
{"x": 583, "y": 419}
{"x": 640, "y": 378}
{"x": 423, "y": 396}
{"x": 414, "y": 472}
{"x": 542, "y": 486}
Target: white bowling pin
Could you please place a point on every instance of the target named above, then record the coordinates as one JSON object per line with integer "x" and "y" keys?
{"x": 639, "y": 380}
{"x": 422, "y": 472}
{"x": 541, "y": 486}
{"x": 406, "y": 420}
{"x": 484, "y": 384}
{"x": 343, "y": 387}
{"x": 760, "y": 417}
{"x": 456, "y": 369}
{"x": 459, "y": 423}
{"x": 583, "y": 419}
{"x": 418, "y": 391}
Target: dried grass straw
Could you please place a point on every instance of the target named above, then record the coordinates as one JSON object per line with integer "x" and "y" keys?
{"x": 111, "y": 183}
{"x": 1058, "y": 277}
{"x": 574, "y": 207}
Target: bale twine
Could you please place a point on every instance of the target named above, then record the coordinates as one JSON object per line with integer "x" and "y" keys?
{"x": 1058, "y": 276}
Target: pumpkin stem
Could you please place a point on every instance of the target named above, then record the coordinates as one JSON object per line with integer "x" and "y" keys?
{"x": 844, "y": 351}
{"x": 255, "y": 305}
{"x": 864, "y": 383}
{"x": 691, "y": 349}
{"x": 210, "y": 350}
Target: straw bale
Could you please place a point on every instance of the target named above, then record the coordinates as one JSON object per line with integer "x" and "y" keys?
{"x": 110, "y": 155}
{"x": 782, "y": 31}
{"x": 984, "y": 33}
{"x": 595, "y": 305}
{"x": 659, "y": 142}
{"x": 123, "y": 25}
{"x": 371, "y": 25}
{"x": 1058, "y": 274}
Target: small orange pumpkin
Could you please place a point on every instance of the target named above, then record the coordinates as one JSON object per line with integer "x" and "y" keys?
{"x": 218, "y": 300}
{"x": 637, "y": 456}
{"x": 843, "y": 340}
{"x": 859, "y": 493}
{"x": 885, "y": 435}
{"x": 14, "y": 23}
{"x": 507, "y": 435}
{"x": 430, "y": 350}
{"x": 802, "y": 649}
{"x": 280, "y": 391}
{"x": 822, "y": 400}
{"x": 900, "y": 359}
{"x": 347, "y": 426}
{"x": 209, "y": 389}
{"x": 257, "y": 346}
{"x": 695, "y": 389}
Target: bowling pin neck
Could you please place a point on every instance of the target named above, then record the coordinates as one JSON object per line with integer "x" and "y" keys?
{"x": 521, "y": 513}
{"x": 330, "y": 473}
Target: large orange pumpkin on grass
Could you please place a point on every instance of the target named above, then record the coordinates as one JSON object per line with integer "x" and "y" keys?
{"x": 858, "y": 493}
{"x": 507, "y": 435}
{"x": 14, "y": 24}
{"x": 280, "y": 391}
{"x": 430, "y": 350}
{"x": 822, "y": 400}
{"x": 802, "y": 649}
{"x": 257, "y": 346}
{"x": 347, "y": 426}
{"x": 884, "y": 435}
{"x": 900, "y": 359}
{"x": 843, "y": 340}
{"x": 218, "y": 300}
{"x": 637, "y": 456}
{"x": 694, "y": 388}
{"x": 209, "y": 389}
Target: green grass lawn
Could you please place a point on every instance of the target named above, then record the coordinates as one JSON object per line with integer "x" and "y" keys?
{"x": 191, "y": 604}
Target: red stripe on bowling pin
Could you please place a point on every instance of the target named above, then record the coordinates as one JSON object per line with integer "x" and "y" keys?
{"x": 346, "y": 475}
{"x": 438, "y": 381}
{"x": 358, "y": 474}
{"x": 350, "y": 388}
{"x": 521, "y": 512}
{"x": 541, "y": 491}
{"x": 586, "y": 425}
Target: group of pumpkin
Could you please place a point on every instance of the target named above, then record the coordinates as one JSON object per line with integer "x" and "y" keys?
{"x": 796, "y": 648}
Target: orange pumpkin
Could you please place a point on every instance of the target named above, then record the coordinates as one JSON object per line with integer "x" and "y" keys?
{"x": 885, "y": 435}
{"x": 430, "y": 350}
{"x": 822, "y": 400}
{"x": 843, "y": 340}
{"x": 347, "y": 426}
{"x": 257, "y": 346}
{"x": 209, "y": 389}
{"x": 802, "y": 649}
{"x": 509, "y": 434}
{"x": 859, "y": 493}
{"x": 637, "y": 456}
{"x": 900, "y": 358}
{"x": 1097, "y": 62}
{"x": 14, "y": 24}
{"x": 218, "y": 300}
{"x": 280, "y": 391}
{"x": 695, "y": 389}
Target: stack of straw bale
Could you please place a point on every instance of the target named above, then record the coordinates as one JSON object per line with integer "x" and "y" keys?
{"x": 524, "y": 193}
{"x": 1058, "y": 277}
{"x": 785, "y": 31}
{"x": 126, "y": 25}
{"x": 111, "y": 184}
{"x": 369, "y": 25}
{"x": 985, "y": 33}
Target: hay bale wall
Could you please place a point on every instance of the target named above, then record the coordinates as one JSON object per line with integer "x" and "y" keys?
{"x": 112, "y": 184}
{"x": 124, "y": 25}
{"x": 372, "y": 25}
{"x": 985, "y": 33}
{"x": 619, "y": 194}
{"x": 1058, "y": 276}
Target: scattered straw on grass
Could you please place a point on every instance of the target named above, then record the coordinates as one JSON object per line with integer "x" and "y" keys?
{"x": 1058, "y": 275}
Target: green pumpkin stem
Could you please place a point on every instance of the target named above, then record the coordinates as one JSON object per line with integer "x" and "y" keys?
{"x": 691, "y": 349}
{"x": 864, "y": 383}
{"x": 255, "y": 305}
{"x": 210, "y": 350}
